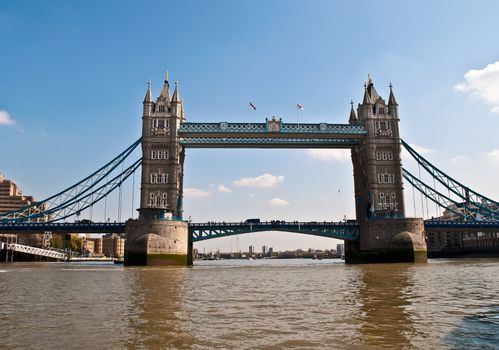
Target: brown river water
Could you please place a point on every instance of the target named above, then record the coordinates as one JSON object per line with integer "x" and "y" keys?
{"x": 260, "y": 304}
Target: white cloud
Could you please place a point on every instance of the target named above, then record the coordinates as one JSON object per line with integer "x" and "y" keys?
{"x": 483, "y": 83}
{"x": 330, "y": 155}
{"x": 494, "y": 155}
{"x": 278, "y": 202}
{"x": 265, "y": 180}
{"x": 5, "y": 118}
{"x": 419, "y": 149}
{"x": 458, "y": 158}
{"x": 222, "y": 188}
{"x": 191, "y": 192}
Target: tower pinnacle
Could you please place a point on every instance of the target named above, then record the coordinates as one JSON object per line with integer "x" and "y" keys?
{"x": 353, "y": 116}
{"x": 366, "y": 100}
{"x": 176, "y": 97}
{"x": 148, "y": 97}
{"x": 165, "y": 92}
{"x": 391, "y": 100}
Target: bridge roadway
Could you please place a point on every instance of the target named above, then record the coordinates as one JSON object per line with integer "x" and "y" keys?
{"x": 209, "y": 230}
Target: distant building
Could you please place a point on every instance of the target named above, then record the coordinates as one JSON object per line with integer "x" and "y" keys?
{"x": 113, "y": 245}
{"x": 251, "y": 249}
{"x": 12, "y": 199}
{"x": 89, "y": 246}
{"x": 98, "y": 246}
{"x": 264, "y": 250}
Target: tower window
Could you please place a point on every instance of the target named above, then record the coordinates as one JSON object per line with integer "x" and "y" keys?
{"x": 386, "y": 178}
{"x": 161, "y": 108}
{"x": 154, "y": 178}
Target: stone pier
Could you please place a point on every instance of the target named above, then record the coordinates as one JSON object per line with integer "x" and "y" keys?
{"x": 157, "y": 242}
{"x": 388, "y": 240}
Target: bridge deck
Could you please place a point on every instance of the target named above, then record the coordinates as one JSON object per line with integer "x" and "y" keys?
{"x": 63, "y": 227}
{"x": 202, "y": 231}
{"x": 461, "y": 226}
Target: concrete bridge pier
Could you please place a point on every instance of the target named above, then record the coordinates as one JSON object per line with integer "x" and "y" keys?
{"x": 387, "y": 241}
{"x": 154, "y": 242}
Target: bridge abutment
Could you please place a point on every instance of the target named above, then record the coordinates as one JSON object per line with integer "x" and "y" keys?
{"x": 154, "y": 242}
{"x": 388, "y": 241}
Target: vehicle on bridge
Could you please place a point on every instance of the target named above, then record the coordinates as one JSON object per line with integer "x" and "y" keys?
{"x": 252, "y": 221}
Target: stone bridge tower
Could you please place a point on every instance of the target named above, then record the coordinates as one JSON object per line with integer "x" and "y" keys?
{"x": 385, "y": 233}
{"x": 162, "y": 155}
{"x": 159, "y": 236}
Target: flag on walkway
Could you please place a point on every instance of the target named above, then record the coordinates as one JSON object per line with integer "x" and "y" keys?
{"x": 252, "y": 106}
{"x": 299, "y": 106}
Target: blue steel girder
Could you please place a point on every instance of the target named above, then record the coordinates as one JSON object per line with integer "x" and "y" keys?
{"x": 256, "y": 142}
{"x": 339, "y": 230}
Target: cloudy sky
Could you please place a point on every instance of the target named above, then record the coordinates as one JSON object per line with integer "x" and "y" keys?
{"x": 73, "y": 75}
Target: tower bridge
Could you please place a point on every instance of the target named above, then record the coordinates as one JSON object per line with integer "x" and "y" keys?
{"x": 381, "y": 232}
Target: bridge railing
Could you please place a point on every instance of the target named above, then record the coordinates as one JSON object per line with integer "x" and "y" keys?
{"x": 37, "y": 251}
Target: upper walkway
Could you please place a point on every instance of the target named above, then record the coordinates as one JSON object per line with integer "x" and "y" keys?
{"x": 271, "y": 134}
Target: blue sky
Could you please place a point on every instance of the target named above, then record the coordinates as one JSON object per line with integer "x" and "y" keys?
{"x": 73, "y": 75}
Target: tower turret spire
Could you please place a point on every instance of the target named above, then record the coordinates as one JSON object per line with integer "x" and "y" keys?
{"x": 366, "y": 100}
{"x": 353, "y": 116}
{"x": 176, "y": 97}
{"x": 391, "y": 100}
{"x": 148, "y": 97}
{"x": 165, "y": 92}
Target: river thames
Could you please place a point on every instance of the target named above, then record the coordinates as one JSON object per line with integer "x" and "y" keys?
{"x": 260, "y": 304}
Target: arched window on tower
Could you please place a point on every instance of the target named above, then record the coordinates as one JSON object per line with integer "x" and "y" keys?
{"x": 152, "y": 200}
